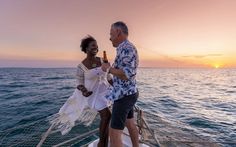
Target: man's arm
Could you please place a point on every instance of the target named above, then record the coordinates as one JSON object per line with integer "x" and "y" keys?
{"x": 116, "y": 72}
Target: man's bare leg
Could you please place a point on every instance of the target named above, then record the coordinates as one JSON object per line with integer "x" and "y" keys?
{"x": 115, "y": 137}
{"x": 133, "y": 131}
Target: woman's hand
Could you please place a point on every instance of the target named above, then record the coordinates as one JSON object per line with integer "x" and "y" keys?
{"x": 87, "y": 93}
{"x": 84, "y": 90}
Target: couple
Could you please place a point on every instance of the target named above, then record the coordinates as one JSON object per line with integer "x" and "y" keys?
{"x": 94, "y": 91}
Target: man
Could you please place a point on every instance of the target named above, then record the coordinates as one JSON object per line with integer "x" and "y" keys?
{"x": 124, "y": 92}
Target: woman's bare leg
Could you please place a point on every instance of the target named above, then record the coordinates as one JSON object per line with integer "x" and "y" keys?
{"x": 105, "y": 115}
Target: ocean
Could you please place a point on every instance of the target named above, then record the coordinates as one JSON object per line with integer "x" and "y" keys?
{"x": 190, "y": 104}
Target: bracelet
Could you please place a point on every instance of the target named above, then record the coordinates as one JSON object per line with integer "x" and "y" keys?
{"x": 82, "y": 88}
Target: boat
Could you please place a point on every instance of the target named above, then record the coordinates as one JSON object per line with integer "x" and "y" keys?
{"x": 126, "y": 140}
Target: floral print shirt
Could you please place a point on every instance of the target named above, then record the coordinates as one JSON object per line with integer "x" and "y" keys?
{"x": 127, "y": 60}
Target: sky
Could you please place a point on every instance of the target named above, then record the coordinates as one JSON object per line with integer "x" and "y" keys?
{"x": 167, "y": 33}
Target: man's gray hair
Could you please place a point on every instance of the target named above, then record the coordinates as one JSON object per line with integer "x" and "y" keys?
{"x": 122, "y": 26}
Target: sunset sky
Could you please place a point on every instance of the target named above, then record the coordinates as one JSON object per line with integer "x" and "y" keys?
{"x": 167, "y": 33}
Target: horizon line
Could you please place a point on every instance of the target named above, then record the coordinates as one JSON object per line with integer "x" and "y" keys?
{"x": 138, "y": 67}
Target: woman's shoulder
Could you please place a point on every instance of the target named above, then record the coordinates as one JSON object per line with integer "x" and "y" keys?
{"x": 99, "y": 58}
{"x": 82, "y": 63}
{"x": 80, "y": 67}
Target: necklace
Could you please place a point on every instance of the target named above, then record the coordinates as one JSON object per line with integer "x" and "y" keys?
{"x": 92, "y": 62}
{"x": 94, "y": 65}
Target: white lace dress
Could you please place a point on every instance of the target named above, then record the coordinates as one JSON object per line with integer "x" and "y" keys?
{"x": 80, "y": 108}
{"x": 94, "y": 80}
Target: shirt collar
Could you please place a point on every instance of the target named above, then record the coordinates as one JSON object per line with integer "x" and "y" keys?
{"x": 121, "y": 44}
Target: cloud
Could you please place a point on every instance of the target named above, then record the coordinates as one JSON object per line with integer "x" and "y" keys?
{"x": 203, "y": 56}
{"x": 38, "y": 63}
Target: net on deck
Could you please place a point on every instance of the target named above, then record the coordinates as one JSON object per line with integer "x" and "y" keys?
{"x": 31, "y": 134}
{"x": 155, "y": 132}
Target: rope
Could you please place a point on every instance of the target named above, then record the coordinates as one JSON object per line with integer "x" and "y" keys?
{"x": 141, "y": 122}
{"x": 45, "y": 136}
{"x": 80, "y": 136}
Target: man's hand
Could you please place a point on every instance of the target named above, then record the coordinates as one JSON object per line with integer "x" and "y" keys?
{"x": 105, "y": 66}
{"x": 114, "y": 71}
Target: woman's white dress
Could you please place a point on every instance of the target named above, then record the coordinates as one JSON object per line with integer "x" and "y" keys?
{"x": 80, "y": 108}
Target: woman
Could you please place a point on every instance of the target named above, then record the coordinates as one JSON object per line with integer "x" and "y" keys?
{"x": 91, "y": 84}
{"x": 88, "y": 98}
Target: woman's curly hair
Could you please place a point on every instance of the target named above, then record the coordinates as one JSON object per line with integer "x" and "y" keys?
{"x": 85, "y": 42}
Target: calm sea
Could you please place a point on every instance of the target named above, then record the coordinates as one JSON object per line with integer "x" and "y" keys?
{"x": 189, "y": 103}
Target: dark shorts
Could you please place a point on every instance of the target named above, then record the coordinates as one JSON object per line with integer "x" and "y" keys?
{"x": 123, "y": 109}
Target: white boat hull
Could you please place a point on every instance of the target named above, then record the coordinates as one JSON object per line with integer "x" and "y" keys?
{"x": 125, "y": 144}
{"x": 125, "y": 140}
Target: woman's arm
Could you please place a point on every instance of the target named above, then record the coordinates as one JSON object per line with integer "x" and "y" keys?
{"x": 84, "y": 90}
{"x": 80, "y": 82}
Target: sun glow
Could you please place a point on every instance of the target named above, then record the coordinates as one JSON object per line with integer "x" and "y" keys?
{"x": 216, "y": 66}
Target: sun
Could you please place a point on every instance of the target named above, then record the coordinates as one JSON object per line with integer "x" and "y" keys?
{"x": 216, "y": 66}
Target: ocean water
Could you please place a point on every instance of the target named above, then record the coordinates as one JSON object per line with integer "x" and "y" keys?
{"x": 190, "y": 104}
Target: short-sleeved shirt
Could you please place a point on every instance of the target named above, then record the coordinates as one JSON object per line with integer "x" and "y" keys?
{"x": 127, "y": 60}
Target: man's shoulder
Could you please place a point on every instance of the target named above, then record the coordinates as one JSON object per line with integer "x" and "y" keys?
{"x": 128, "y": 46}
{"x": 128, "y": 50}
